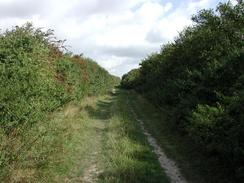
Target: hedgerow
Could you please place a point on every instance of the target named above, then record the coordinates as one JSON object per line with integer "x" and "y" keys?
{"x": 37, "y": 77}
{"x": 198, "y": 78}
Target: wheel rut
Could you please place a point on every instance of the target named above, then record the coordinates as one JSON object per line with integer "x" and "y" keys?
{"x": 167, "y": 164}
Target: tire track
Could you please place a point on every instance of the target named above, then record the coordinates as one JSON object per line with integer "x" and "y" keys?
{"x": 168, "y": 165}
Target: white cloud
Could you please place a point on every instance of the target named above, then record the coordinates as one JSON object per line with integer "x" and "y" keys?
{"x": 192, "y": 6}
{"x": 234, "y": 2}
{"x": 116, "y": 33}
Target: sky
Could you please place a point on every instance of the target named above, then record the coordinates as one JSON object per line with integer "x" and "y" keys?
{"x": 117, "y": 34}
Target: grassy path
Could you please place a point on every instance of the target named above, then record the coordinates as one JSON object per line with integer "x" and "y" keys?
{"x": 96, "y": 140}
{"x": 127, "y": 155}
{"x": 117, "y": 150}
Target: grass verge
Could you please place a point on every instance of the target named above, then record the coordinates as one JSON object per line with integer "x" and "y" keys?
{"x": 59, "y": 149}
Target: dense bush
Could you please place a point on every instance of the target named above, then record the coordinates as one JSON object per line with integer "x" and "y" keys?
{"x": 99, "y": 80}
{"x": 129, "y": 80}
{"x": 27, "y": 88}
{"x": 199, "y": 79}
{"x": 82, "y": 76}
{"x": 36, "y": 77}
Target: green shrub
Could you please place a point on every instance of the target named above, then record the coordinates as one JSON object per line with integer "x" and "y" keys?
{"x": 27, "y": 87}
{"x": 130, "y": 80}
{"x": 199, "y": 79}
{"x": 36, "y": 77}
